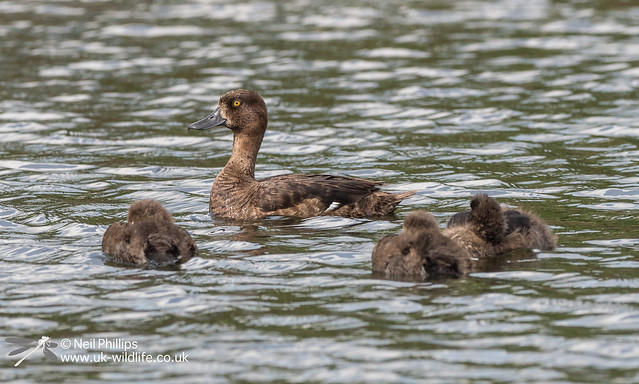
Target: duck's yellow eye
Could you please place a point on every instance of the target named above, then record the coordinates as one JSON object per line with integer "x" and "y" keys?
{"x": 237, "y": 103}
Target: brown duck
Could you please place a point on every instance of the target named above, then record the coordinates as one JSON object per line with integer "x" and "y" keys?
{"x": 148, "y": 237}
{"x": 523, "y": 227}
{"x": 423, "y": 250}
{"x": 420, "y": 251}
{"x": 236, "y": 194}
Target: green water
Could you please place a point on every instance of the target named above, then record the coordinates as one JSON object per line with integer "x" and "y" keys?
{"x": 533, "y": 102}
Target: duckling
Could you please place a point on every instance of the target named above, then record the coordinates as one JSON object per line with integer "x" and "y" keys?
{"x": 423, "y": 250}
{"x": 236, "y": 194}
{"x": 524, "y": 229}
{"x": 420, "y": 251}
{"x": 148, "y": 237}
{"x": 484, "y": 229}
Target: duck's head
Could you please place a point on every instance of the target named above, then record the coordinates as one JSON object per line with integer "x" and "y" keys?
{"x": 398, "y": 257}
{"x": 143, "y": 210}
{"x": 401, "y": 256}
{"x": 487, "y": 219}
{"x": 420, "y": 221}
{"x": 240, "y": 110}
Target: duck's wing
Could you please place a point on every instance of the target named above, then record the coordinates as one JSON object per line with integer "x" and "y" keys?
{"x": 311, "y": 193}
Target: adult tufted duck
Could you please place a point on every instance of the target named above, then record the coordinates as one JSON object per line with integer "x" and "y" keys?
{"x": 236, "y": 194}
{"x": 148, "y": 237}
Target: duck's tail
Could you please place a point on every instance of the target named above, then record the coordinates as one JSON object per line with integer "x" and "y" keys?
{"x": 374, "y": 204}
{"x": 403, "y": 195}
{"x": 382, "y": 203}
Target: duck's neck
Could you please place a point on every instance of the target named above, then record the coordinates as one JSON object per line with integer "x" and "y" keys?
{"x": 241, "y": 165}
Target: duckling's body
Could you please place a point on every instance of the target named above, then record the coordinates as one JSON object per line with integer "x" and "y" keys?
{"x": 524, "y": 230}
{"x": 148, "y": 237}
{"x": 236, "y": 194}
{"x": 422, "y": 250}
{"x": 484, "y": 228}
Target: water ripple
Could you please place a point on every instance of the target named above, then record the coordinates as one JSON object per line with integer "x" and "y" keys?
{"x": 532, "y": 102}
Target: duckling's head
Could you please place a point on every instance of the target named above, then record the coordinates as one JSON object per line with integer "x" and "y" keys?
{"x": 143, "y": 210}
{"x": 401, "y": 256}
{"x": 398, "y": 257}
{"x": 487, "y": 219}
{"x": 240, "y": 110}
{"x": 419, "y": 221}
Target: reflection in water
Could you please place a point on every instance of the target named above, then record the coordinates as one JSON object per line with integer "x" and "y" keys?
{"x": 531, "y": 101}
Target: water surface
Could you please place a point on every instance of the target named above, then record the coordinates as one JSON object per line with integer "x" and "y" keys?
{"x": 533, "y": 102}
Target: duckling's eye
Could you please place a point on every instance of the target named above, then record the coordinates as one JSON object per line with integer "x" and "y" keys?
{"x": 405, "y": 251}
{"x": 237, "y": 103}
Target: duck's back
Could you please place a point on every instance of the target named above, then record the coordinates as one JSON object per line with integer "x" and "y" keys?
{"x": 302, "y": 196}
{"x": 537, "y": 234}
{"x": 470, "y": 241}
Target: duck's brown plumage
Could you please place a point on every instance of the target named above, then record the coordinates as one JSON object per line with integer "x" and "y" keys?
{"x": 237, "y": 194}
{"x": 419, "y": 251}
{"x": 423, "y": 250}
{"x": 148, "y": 237}
{"x": 524, "y": 229}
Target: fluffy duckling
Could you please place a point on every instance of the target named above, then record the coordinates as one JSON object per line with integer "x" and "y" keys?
{"x": 420, "y": 251}
{"x": 524, "y": 229}
{"x": 423, "y": 250}
{"x": 483, "y": 230}
{"x": 148, "y": 237}
{"x": 236, "y": 194}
